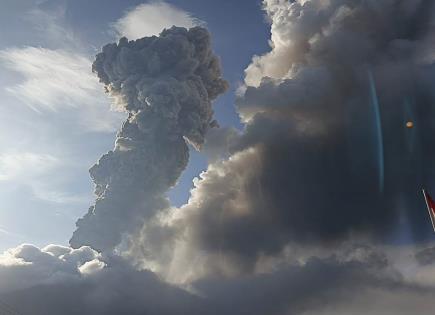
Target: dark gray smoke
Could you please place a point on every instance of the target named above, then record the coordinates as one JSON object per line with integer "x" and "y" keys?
{"x": 166, "y": 85}
{"x": 306, "y": 170}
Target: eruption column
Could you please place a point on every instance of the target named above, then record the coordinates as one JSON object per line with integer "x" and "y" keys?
{"x": 166, "y": 85}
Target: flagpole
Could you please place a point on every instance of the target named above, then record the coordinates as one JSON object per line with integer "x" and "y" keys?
{"x": 428, "y": 209}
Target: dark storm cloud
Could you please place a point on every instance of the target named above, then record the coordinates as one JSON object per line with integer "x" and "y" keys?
{"x": 166, "y": 84}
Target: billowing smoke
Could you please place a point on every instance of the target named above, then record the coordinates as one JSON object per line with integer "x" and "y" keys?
{"x": 166, "y": 85}
{"x": 307, "y": 171}
{"x": 298, "y": 214}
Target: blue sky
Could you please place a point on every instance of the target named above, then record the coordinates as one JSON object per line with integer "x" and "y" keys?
{"x": 55, "y": 120}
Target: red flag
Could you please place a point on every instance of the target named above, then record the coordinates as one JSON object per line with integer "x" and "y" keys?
{"x": 430, "y": 203}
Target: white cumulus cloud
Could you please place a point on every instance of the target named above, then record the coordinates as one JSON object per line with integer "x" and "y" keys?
{"x": 151, "y": 18}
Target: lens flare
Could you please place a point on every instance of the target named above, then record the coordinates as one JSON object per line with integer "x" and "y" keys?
{"x": 378, "y": 126}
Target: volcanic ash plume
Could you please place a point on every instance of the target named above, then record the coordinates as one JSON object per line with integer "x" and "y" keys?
{"x": 325, "y": 156}
{"x": 166, "y": 85}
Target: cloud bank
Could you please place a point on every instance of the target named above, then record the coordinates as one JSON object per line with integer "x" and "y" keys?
{"x": 57, "y": 279}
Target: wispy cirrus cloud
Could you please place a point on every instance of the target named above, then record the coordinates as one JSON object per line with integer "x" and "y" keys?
{"x": 25, "y": 165}
{"x": 52, "y": 78}
{"x": 33, "y": 169}
{"x": 59, "y": 79}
